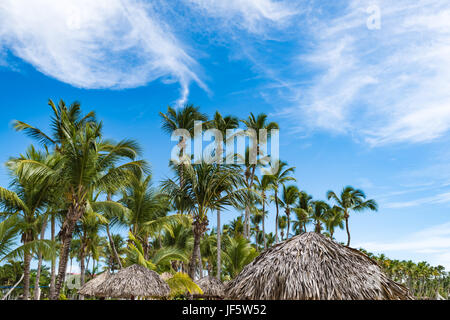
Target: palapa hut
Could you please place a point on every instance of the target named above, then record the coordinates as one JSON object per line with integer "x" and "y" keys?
{"x": 135, "y": 281}
{"x": 212, "y": 288}
{"x": 312, "y": 267}
{"x": 92, "y": 287}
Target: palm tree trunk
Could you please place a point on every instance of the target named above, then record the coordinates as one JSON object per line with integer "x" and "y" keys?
{"x": 74, "y": 214}
{"x": 37, "y": 290}
{"x": 264, "y": 225}
{"x": 82, "y": 269}
{"x": 348, "y": 229}
{"x": 276, "y": 219}
{"x": 194, "y": 261}
{"x": 113, "y": 246}
{"x": 200, "y": 262}
{"x": 26, "y": 279}
{"x": 53, "y": 266}
{"x": 219, "y": 246}
{"x": 288, "y": 214}
{"x": 247, "y": 222}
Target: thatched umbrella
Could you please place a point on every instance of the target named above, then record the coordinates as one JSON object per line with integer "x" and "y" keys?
{"x": 211, "y": 287}
{"x": 135, "y": 281}
{"x": 92, "y": 287}
{"x": 312, "y": 267}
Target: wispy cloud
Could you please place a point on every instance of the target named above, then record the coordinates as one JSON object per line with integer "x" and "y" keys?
{"x": 433, "y": 242}
{"x": 437, "y": 199}
{"x": 251, "y": 15}
{"x": 386, "y": 86}
{"x": 97, "y": 44}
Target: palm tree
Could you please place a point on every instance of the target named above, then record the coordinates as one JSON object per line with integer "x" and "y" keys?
{"x": 237, "y": 254}
{"x": 278, "y": 180}
{"x": 223, "y": 125}
{"x": 27, "y": 198}
{"x": 288, "y": 199}
{"x": 352, "y": 199}
{"x": 319, "y": 214}
{"x": 148, "y": 210}
{"x": 86, "y": 163}
{"x": 334, "y": 219}
{"x": 257, "y": 125}
{"x": 303, "y": 211}
{"x": 182, "y": 119}
{"x": 263, "y": 185}
{"x": 88, "y": 229}
{"x": 282, "y": 225}
{"x": 257, "y": 218}
{"x": 113, "y": 252}
{"x": 9, "y": 230}
{"x": 235, "y": 228}
{"x": 207, "y": 187}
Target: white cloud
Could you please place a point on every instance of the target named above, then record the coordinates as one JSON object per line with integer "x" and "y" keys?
{"x": 386, "y": 86}
{"x": 251, "y": 15}
{"x": 437, "y": 199}
{"x": 431, "y": 243}
{"x": 96, "y": 44}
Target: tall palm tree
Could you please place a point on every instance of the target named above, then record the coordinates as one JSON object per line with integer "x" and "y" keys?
{"x": 207, "y": 187}
{"x": 86, "y": 163}
{"x": 351, "y": 199}
{"x": 223, "y": 124}
{"x": 279, "y": 179}
{"x": 29, "y": 199}
{"x": 182, "y": 119}
{"x": 288, "y": 200}
{"x": 263, "y": 185}
{"x": 256, "y": 123}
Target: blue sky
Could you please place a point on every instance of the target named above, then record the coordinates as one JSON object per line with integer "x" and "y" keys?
{"x": 357, "y": 104}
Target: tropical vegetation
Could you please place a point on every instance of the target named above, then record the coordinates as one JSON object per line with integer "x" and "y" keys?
{"x": 79, "y": 202}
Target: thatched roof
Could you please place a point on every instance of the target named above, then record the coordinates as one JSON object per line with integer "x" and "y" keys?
{"x": 135, "y": 281}
{"x": 312, "y": 267}
{"x": 211, "y": 287}
{"x": 92, "y": 287}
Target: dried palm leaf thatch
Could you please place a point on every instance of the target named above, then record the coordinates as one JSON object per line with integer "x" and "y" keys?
{"x": 92, "y": 287}
{"x": 211, "y": 287}
{"x": 135, "y": 281}
{"x": 312, "y": 267}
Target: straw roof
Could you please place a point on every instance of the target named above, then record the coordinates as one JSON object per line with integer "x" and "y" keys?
{"x": 312, "y": 267}
{"x": 211, "y": 287}
{"x": 92, "y": 287}
{"x": 135, "y": 281}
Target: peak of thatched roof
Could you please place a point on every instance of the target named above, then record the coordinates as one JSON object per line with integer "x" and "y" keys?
{"x": 135, "y": 281}
{"x": 92, "y": 287}
{"x": 211, "y": 287}
{"x": 313, "y": 267}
